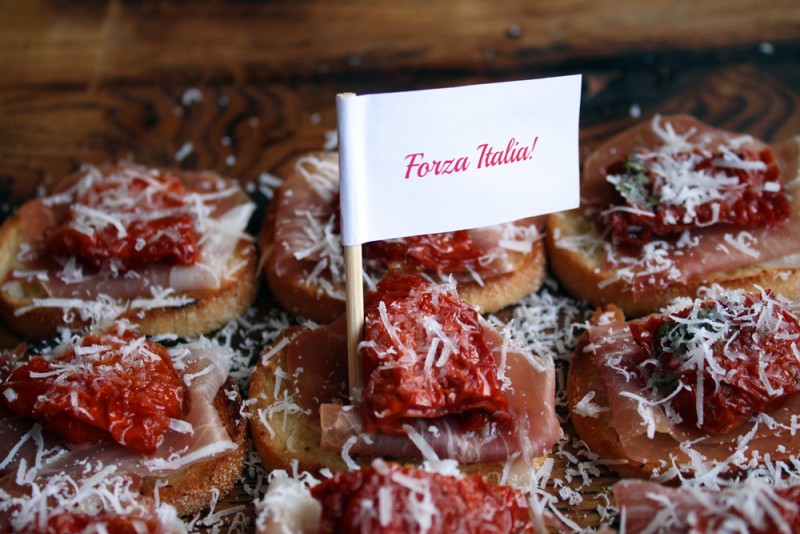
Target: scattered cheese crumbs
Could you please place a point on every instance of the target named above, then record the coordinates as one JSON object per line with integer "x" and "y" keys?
{"x": 184, "y": 151}
{"x": 267, "y": 183}
{"x": 331, "y": 140}
{"x": 192, "y": 96}
{"x": 587, "y": 408}
{"x": 351, "y": 465}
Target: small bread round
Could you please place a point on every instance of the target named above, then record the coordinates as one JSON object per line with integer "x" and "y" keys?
{"x": 281, "y": 437}
{"x": 598, "y": 432}
{"x": 577, "y": 258}
{"x": 310, "y": 300}
{"x": 193, "y": 488}
{"x": 285, "y": 435}
{"x": 581, "y": 270}
{"x": 206, "y": 310}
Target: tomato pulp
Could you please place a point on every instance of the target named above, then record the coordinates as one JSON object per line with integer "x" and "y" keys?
{"x": 706, "y": 191}
{"x": 392, "y": 499}
{"x": 126, "y": 223}
{"x": 117, "y": 386}
{"x": 425, "y": 355}
{"x": 743, "y": 358}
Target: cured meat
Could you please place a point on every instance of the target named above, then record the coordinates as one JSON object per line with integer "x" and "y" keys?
{"x": 752, "y": 506}
{"x": 218, "y": 212}
{"x": 387, "y": 498}
{"x": 701, "y": 250}
{"x": 38, "y": 459}
{"x": 527, "y": 382}
{"x": 651, "y": 431}
{"x": 308, "y": 241}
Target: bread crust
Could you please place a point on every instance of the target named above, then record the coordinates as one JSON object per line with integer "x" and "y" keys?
{"x": 192, "y": 489}
{"x": 208, "y": 310}
{"x": 296, "y": 439}
{"x": 584, "y": 275}
{"x": 311, "y": 301}
{"x": 582, "y": 271}
{"x": 598, "y": 432}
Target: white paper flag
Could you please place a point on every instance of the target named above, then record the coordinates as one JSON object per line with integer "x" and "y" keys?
{"x": 440, "y": 160}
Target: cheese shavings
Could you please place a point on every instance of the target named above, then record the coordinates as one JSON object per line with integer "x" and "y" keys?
{"x": 103, "y": 493}
{"x": 113, "y": 199}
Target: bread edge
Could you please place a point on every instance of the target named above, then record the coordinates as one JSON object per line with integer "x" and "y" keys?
{"x": 305, "y": 438}
{"x": 193, "y": 488}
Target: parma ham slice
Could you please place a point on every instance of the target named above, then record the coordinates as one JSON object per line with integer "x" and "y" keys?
{"x": 37, "y": 459}
{"x": 649, "y": 427}
{"x": 528, "y": 384}
{"x": 308, "y": 242}
{"x": 704, "y": 247}
{"x": 218, "y": 212}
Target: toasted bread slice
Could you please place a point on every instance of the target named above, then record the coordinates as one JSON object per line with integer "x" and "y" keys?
{"x": 285, "y": 438}
{"x": 576, "y": 256}
{"x": 26, "y": 308}
{"x": 193, "y": 488}
{"x": 663, "y": 448}
{"x": 575, "y": 250}
{"x": 320, "y": 297}
{"x": 597, "y": 431}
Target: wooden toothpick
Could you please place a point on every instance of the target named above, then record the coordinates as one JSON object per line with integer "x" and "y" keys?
{"x": 355, "y": 313}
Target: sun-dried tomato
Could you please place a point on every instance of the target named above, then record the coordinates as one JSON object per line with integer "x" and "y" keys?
{"x": 68, "y": 523}
{"x": 127, "y": 223}
{"x": 113, "y": 386}
{"x": 785, "y": 514}
{"x": 646, "y": 215}
{"x": 447, "y": 252}
{"x": 389, "y": 499}
{"x": 748, "y": 361}
{"x": 425, "y": 355}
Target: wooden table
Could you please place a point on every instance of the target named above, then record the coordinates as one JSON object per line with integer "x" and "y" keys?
{"x": 251, "y": 84}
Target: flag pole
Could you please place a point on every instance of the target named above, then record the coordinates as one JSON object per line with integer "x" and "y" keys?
{"x": 354, "y": 285}
{"x": 355, "y": 314}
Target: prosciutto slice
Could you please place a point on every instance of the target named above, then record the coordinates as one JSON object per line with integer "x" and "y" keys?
{"x": 699, "y": 251}
{"x": 220, "y": 215}
{"x": 648, "y": 434}
{"x": 200, "y": 435}
{"x": 751, "y": 506}
{"x": 308, "y": 241}
{"x": 530, "y": 391}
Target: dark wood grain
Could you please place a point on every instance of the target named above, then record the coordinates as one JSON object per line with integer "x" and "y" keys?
{"x": 91, "y": 44}
{"x": 99, "y": 81}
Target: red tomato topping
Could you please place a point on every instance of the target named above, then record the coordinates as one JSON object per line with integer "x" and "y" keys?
{"x": 744, "y": 350}
{"x": 68, "y": 523}
{"x": 127, "y": 222}
{"x": 388, "y": 499}
{"x": 787, "y": 514}
{"x": 118, "y": 386}
{"x": 448, "y": 252}
{"x": 424, "y": 355}
{"x": 707, "y": 191}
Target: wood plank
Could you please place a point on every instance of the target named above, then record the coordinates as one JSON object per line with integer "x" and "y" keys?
{"x": 99, "y": 81}
{"x": 48, "y": 133}
{"x": 133, "y": 42}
